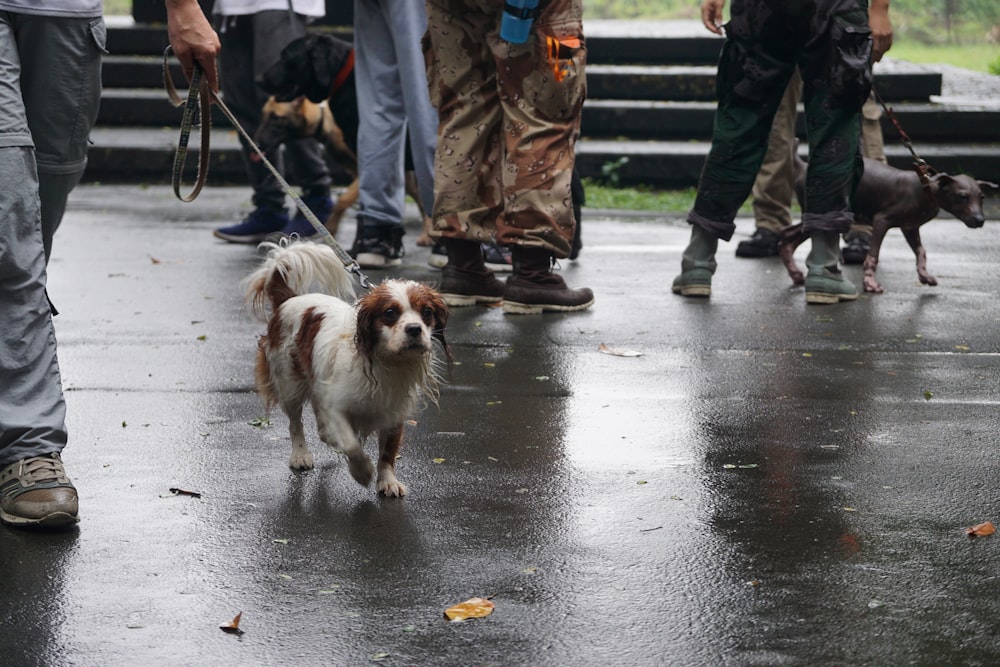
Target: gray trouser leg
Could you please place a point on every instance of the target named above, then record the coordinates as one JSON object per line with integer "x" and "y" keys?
{"x": 32, "y": 408}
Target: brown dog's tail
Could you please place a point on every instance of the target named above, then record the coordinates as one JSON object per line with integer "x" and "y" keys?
{"x": 292, "y": 269}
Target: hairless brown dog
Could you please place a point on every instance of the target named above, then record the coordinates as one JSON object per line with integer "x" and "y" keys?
{"x": 888, "y": 197}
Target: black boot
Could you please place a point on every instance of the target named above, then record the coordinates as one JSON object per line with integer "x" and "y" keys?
{"x": 533, "y": 288}
{"x": 465, "y": 280}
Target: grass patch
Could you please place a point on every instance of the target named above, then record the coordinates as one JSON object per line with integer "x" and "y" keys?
{"x": 976, "y": 57}
{"x": 643, "y": 198}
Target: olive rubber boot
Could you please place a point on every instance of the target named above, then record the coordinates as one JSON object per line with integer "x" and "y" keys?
{"x": 697, "y": 265}
{"x": 534, "y": 288}
{"x": 824, "y": 282}
{"x": 465, "y": 280}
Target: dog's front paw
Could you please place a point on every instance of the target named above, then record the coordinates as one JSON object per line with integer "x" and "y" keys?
{"x": 361, "y": 469}
{"x": 928, "y": 279}
{"x": 389, "y": 486}
{"x": 301, "y": 461}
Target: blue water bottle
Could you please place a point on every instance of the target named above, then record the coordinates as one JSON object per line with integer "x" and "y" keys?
{"x": 518, "y": 15}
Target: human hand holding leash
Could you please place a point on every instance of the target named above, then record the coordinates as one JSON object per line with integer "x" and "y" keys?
{"x": 711, "y": 15}
{"x": 193, "y": 39}
{"x": 878, "y": 21}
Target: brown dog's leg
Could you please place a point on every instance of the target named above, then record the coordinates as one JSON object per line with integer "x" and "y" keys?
{"x": 411, "y": 189}
{"x": 879, "y": 229}
{"x": 389, "y": 443}
{"x": 912, "y": 235}
{"x": 346, "y": 200}
{"x": 789, "y": 239}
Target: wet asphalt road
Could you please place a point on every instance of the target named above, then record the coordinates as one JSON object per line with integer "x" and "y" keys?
{"x": 767, "y": 484}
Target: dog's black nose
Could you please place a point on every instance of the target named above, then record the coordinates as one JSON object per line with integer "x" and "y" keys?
{"x": 414, "y": 330}
{"x": 976, "y": 221}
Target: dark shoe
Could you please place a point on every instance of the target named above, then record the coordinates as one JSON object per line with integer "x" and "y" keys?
{"x": 321, "y": 206}
{"x": 37, "y": 492}
{"x": 497, "y": 258}
{"x": 439, "y": 255}
{"x": 534, "y": 288}
{"x": 856, "y": 248}
{"x": 468, "y": 287}
{"x": 255, "y": 227}
{"x": 763, "y": 243}
{"x": 379, "y": 247}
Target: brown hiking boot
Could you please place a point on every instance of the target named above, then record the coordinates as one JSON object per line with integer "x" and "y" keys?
{"x": 535, "y": 289}
{"x": 467, "y": 287}
{"x": 36, "y": 491}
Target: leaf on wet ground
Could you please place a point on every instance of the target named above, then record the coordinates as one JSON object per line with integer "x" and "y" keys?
{"x": 471, "y": 608}
{"x": 233, "y": 626}
{"x": 981, "y": 530}
{"x": 617, "y": 351}
{"x": 260, "y": 422}
{"x": 174, "y": 491}
{"x": 928, "y": 394}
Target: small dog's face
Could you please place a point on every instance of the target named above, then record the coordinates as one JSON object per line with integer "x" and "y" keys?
{"x": 400, "y": 318}
{"x": 962, "y": 196}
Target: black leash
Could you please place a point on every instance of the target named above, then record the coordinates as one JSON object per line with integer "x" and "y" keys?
{"x": 924, "y": 170}
{"x": 199, "y": 99}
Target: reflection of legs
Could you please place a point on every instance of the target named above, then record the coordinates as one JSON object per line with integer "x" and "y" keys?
{"x": 775, "y": 184}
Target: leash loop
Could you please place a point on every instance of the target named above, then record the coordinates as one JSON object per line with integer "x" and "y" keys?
{"x": 200, "y": 97}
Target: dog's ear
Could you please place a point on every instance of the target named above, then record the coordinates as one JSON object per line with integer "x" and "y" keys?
{"x": 367, "y": 333}
{"x": 986, "y": 186}
{"x": 440, "y": 309}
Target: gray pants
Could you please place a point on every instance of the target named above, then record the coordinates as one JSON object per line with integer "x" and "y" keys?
{"x": 251, "y": 44}
{"x": 391, "y": 80}
{"x": 50, "y": 88}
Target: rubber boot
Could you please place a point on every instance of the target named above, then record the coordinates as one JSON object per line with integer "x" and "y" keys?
{"x": 465, "y": 280}
{"x": 534, "y": 288}
{"x": 824, "y": 282}
{"x": 697, "y": 265}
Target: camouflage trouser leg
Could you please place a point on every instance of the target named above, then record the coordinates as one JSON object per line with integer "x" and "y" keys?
{"x": 831, "y": 44}
{"x": 508, "y": 123}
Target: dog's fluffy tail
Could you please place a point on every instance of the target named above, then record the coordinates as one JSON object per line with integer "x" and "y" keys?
{"x": 292, "y": 269}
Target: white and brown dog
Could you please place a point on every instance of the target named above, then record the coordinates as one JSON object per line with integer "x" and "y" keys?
{"x": 363, "y": 365}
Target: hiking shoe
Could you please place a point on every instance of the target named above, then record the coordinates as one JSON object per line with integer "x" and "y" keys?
{"x": 693, "y": 282}
{"x": 825, "y": 289}
{"x": 321, "y": 206}
{"x": 439, "y": 255}
{"x": 763, "y": 243}
{"x": 467, "y": 287}
{"x": 379, "y": 247}
{"x": 37, "y": 492}
{"x": 543, "y": 293}
{"x": 856, "y": 249}
{"x": 255, "y": 227}
{"x": 497, "y": 257}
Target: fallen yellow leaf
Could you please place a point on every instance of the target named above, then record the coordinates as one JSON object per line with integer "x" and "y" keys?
{"x": 981, "y": 529}
{"x": 471, "y": 608}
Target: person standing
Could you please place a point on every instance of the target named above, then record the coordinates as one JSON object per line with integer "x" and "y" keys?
{"x": 509, "y": 115}
{"x": 830, "y": 42}
{"x": 252, "y": 34}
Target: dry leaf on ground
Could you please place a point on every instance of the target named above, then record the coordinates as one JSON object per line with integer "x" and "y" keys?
{"x": 981, "y": 529}
{"x": 233, "y": 626}
{"x": 471, "y": 608}
{"x": 617, "y": 351}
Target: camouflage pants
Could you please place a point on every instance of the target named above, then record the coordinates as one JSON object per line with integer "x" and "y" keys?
{"x": 830, "y": 42}
{"x": 509, "y": 116}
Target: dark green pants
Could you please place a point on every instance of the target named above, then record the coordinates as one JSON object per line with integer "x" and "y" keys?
{"x": 830, "y": 42}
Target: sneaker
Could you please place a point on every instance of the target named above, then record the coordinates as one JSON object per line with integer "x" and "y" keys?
{"x": 321, "y": 206}
{"x": 497, "y": 257}
{"x": 856, "y": 248}
{"x": 467, "y": 287}
{"x": 763, "y": 243}
{"x": 439, "y": 255}
{"x": 37, "y": 492}
{"x": 381, "y": 248}
{"x": 255, "y": 227}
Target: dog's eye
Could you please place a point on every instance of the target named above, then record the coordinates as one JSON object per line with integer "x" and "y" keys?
{"x": 390, "y": 315}
{"x": 427, "y": 314}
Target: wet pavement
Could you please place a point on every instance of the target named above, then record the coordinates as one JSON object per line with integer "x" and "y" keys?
{"x": 766, "y": 484}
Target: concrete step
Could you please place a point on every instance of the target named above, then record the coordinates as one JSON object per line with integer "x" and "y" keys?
{"x": 146, "y": 155}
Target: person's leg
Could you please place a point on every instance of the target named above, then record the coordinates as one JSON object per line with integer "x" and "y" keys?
{"x": 541, "y": 105}
{"x": 467, "y": 192}
{"x": 837, "y": 73}
{"x": 33, "y": 484}
{"x": 61, "y": 89}
{"x": 774, "y": 187}
{"x": 857, "y": 241}
{"x": 381, "y": 136}
{"x": 753, "y": 74}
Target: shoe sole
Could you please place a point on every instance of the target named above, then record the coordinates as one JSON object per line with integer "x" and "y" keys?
{"x": 703, "y": 291}
{"x": 518, "y": 308}
{"x": 500, "y": 268}
{"x": 824, "y": 298}
{"x": 54, "y": 520}
{"x": 374, "y": 261}
{"x": 462, "y": 300}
